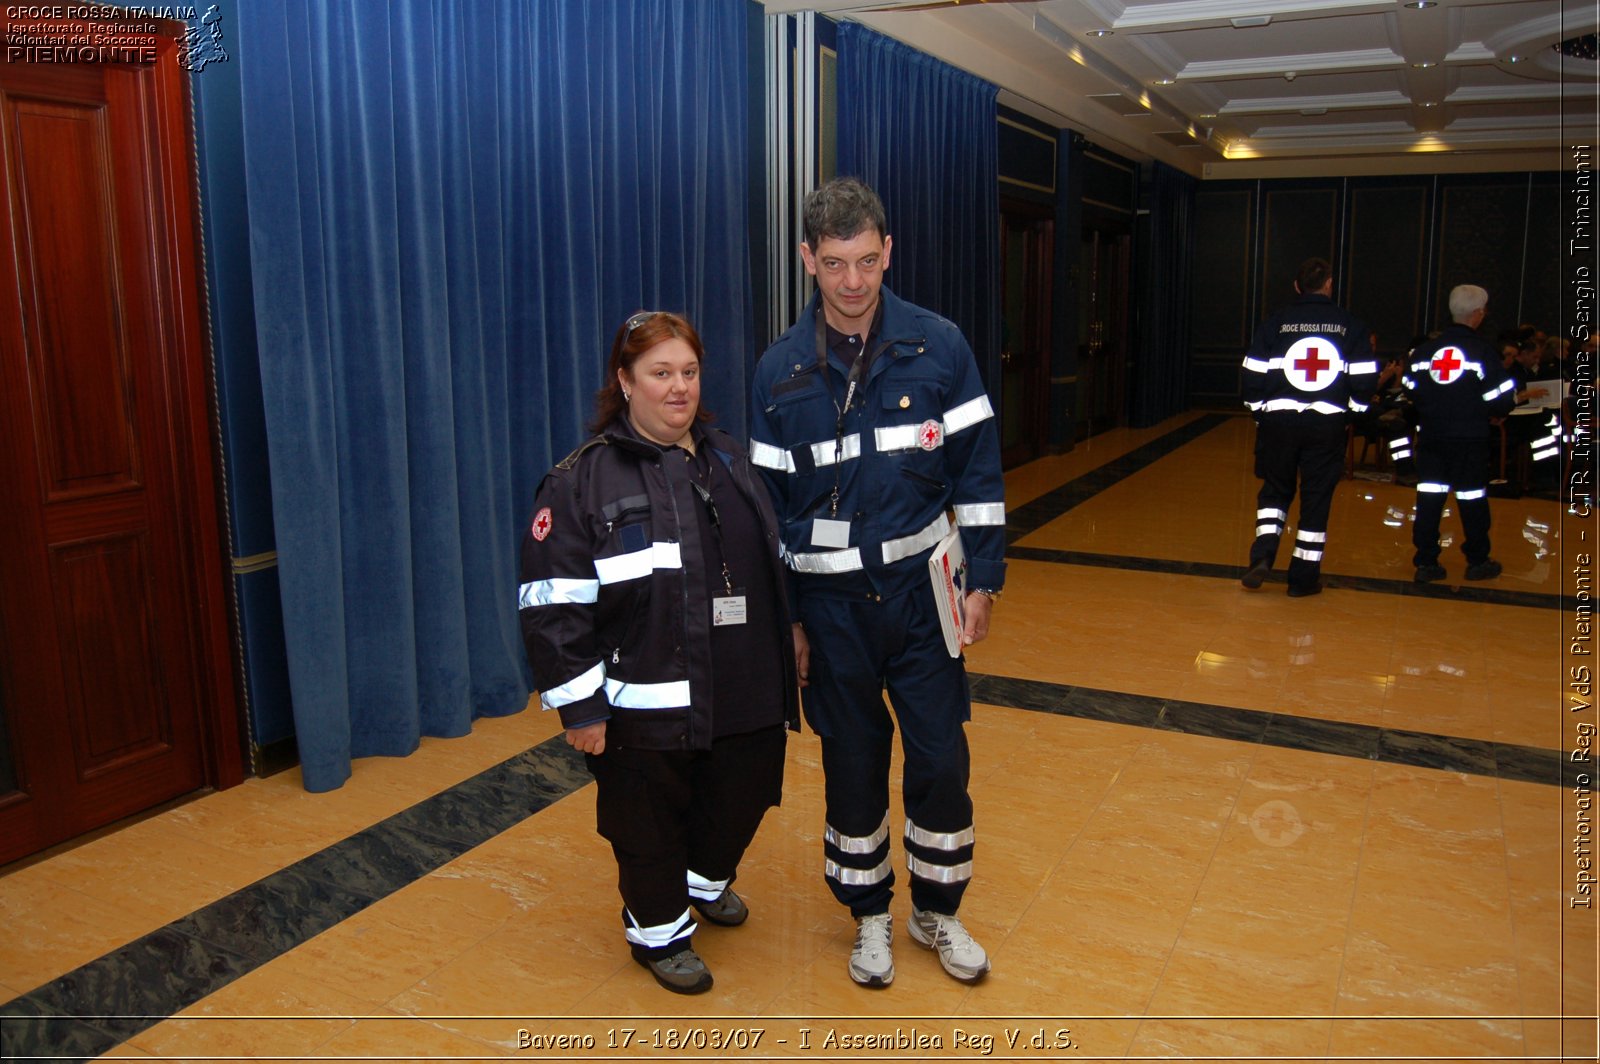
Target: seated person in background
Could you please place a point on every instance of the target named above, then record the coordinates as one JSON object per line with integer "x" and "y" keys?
{"x": 1553, "y": 359}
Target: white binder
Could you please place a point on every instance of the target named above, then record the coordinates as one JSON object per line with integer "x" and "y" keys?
{"x": 947, "y": 572}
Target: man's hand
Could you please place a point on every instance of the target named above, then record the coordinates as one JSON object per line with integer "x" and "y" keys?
{"x": 977, "y": 609}
{"x": 591, "y": 738}
{"x": 802, "y": 655}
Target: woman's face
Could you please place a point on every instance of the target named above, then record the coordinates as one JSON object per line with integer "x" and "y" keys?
{"x": 663, "y": 391}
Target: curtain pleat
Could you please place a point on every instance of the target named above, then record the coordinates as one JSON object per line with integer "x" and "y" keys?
{"x": 924, "y": 134}
{"x": 451, "y": 208}
{"x": 1160, "y": 384}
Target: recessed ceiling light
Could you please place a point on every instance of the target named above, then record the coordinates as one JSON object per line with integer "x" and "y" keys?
{"x": 1165, "y": 81}
{"x": 1245, "y": 22}
{"x": 1423, "y": 66}
{"x": 1206, "y": 116}
{"x": 1101, "y": 33}
{"x": 1312, "y": 112}
{"x": 1513, "y": 58}
{"x": 1422, "y": 5}
{"x": 1429, "y": 103}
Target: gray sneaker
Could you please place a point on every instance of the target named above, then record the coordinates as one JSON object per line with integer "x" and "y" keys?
{"x": 728, "y": 909}
{"x": 872, "y": 958}
{"x": 682, "y": 973}
{"x": 960, "y": 954}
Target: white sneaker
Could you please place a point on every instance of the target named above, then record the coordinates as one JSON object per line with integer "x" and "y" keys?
{"x": 960, "y": 954}
{"x": 872, "y": 958}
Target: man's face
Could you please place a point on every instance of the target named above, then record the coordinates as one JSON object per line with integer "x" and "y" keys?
{"x": 849, "y": 274}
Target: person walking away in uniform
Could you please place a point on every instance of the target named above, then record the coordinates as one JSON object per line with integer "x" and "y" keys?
{"x": 654, "y": 615}
{"x": 870, "y": 424}
{"x": 1309, "y": 368}
{"x": 1457, "y": 384}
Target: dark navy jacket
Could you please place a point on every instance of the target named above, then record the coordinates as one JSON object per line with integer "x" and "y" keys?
{"x": 615, "y": 618}
{"x": 1312, "y": 356}
{"x": 918, "y": 442}
{"x": 1457, "y": 383}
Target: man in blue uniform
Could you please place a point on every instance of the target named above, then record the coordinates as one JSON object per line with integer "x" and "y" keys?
{"x": 1310, "y": 366}
{"x": 872, "y": 428}
{"x": 1457, "y": 384}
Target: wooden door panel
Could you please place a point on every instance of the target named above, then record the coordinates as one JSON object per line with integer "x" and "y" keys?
{"x": 76, "y": 351}
{"x": 115, "y": 697}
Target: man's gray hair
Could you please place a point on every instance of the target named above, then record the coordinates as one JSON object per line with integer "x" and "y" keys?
{"x": 1466, "y": 300}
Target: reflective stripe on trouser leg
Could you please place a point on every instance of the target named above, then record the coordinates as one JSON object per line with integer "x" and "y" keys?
{"x": 940, "y": 863}
{"x": 658, "y": 940}
{"x": 703, "y": 889}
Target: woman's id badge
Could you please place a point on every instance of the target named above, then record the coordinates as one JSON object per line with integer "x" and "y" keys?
{"x": 728, "y": 609}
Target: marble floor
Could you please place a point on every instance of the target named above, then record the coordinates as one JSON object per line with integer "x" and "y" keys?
{"x": 1212, "y": 824}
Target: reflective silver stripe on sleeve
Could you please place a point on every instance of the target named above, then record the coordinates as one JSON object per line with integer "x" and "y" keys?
{"x": 657, "y": 935}
{"x": 980, "y": 513}
{"x": 639, "y": 563}
{"x": 1500, "y": 389}
{"x": 1259, "y": 365}
{"x": 916, "y": 543}
{"x": 557, "y": 592}
{"x": 625, "y": 695}
{"x": 958, "y": 873}
{"x": 1361, "y": 367}
{"x": 767, "y": 456}
{"x": 940, "y": 840}
{"x": 968, "y": 414}
{"x": 856, "y": 877}
{"x": 575, "y": 689}
{"x": 857, "y": 843}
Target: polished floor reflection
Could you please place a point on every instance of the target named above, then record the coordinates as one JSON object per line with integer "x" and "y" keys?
{"x": 1211, "y": 824}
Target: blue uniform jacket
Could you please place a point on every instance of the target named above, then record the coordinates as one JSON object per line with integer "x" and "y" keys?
{"x": 1457, "y": 384}
{"x": 917, "y": 445}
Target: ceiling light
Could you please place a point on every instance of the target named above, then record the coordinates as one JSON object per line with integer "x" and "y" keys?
{"x": 1513, "y": 58}
{"x": 1423, "y": 65}
{"x": 1422, "y": 5}
{"x": 1428, "y": 103}
{"x": 1101, "y": 33}
{"x": 1245, "y": 22}
{"x": 1165, "y": 81}
{"x": 1206, "y": 116}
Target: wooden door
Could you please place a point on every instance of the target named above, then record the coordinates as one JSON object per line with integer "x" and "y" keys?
{"x": 1026, "y": 248}
{"x": 116, "y": 688}
{"x": 1103, "y": 341}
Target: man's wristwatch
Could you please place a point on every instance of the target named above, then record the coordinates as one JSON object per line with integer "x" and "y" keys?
{"x": 990, "y": 593}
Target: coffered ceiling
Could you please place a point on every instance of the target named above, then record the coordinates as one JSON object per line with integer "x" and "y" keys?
{"x": 1240, "y": 88}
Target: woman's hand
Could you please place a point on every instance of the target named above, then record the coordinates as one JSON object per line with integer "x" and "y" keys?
{"x": 591, "y": 738}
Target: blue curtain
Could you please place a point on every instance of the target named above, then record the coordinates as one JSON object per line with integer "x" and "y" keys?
{"x": 1160, "y": 383}
{"x": 451, "y": 208}
{"x": 925, "y": 136}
